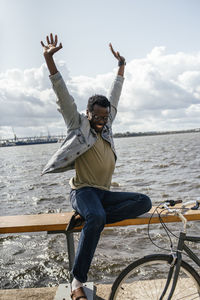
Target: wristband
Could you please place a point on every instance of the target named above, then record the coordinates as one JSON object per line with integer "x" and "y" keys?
{"x": 121, "y": 63}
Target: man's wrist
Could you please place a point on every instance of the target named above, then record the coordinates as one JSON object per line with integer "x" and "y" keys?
{"x": 121, "y": 63}
{"x": 47, "y": 55}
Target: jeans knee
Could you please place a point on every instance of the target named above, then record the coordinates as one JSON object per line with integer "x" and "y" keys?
{"x": 147, "y": 203}
{"x": 97, "y": 220}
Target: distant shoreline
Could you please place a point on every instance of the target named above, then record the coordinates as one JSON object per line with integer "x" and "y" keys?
{"x": 60, "y": 138}
{"x": 151, "y": 133}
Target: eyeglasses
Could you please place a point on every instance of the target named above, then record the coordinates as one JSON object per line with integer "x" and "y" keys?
{"x": 98, "y": 118}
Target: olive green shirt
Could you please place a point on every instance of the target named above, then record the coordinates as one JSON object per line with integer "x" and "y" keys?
{"x": 95, "y": 167}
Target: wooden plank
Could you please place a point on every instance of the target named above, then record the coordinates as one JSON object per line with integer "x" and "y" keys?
{"x": 190, "y": 215}
{"x": 34, "y": 223}
{"x": 56, "y": 222}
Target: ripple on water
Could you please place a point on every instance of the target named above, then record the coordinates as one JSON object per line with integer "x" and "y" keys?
{"x": 164, "y": 167}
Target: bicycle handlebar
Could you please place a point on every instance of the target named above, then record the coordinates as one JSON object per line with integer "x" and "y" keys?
{"x": 173, "y": 202}
{"x": 169, "y": 203}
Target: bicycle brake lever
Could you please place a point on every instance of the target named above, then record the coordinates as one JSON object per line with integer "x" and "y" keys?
{"x": 173, "y": 202}
{"x": 196, "y": 206}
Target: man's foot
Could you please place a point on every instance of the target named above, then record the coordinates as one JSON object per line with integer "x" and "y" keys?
{"x": 75, "y": 221}
{"x": 78, "y": 294}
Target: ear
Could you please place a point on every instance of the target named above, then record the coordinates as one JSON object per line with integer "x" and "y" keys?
{"x": 87, "y": 113}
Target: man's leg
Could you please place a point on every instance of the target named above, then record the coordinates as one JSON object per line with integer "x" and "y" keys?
{"x": 87, "y": 202}
{"x": 124, "y": 205}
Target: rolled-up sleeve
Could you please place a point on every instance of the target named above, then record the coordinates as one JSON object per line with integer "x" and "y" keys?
{"x": 66, "y": 104}
{"x": 114, "y": 95}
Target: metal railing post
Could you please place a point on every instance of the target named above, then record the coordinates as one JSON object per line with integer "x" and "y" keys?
{"x": 71, "y": 251}
{"x": 70, "y": 248}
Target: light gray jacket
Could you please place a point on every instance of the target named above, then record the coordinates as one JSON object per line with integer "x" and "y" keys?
{"x": 80, "y": 136}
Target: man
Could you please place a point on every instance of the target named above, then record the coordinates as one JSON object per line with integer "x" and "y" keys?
{"x": 89, "y": 148}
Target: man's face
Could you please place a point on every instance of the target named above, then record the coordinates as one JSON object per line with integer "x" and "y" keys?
{"x": 98, "y": 117}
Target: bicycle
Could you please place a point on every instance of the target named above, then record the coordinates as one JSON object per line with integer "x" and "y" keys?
{"x": 162, "y": 276}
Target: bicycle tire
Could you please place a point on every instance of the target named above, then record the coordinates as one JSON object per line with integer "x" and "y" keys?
{"x": 145, "y": 279}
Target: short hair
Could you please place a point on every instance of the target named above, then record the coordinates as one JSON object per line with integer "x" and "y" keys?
{"x": 99, "y": 100}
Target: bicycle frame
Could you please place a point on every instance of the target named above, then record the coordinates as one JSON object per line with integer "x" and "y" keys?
{"x": 183, "y": 237}
{"x": 177, "y": 262}
{"x": 172, "y": 266}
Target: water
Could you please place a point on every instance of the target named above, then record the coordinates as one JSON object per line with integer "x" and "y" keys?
{"x": 163, "y": 167}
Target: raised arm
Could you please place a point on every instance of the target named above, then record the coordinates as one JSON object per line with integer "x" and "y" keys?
{"x": 116, "y": 87}
{"x": 49, "y": 50}
{"x": 121, "y": 61}
{"x": 65, "y": 101}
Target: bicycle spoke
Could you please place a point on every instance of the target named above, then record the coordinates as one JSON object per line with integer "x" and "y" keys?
{"x": 147, "y": 280}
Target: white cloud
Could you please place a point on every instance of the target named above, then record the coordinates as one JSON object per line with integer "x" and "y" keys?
{"x": 27, "y": 101}
{"x": 161, "y": 92}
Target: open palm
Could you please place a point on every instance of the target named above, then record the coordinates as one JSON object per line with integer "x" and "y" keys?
{"x": 51, "y": 46}
{"x": 116, "y": 54}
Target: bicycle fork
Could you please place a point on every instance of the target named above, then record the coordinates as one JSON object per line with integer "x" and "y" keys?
{"x": 174, "y": 269}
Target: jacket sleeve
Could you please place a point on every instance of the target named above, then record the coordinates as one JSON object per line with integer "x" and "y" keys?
{"x": 66, "y": 104}
{"x": 114, "y": 95}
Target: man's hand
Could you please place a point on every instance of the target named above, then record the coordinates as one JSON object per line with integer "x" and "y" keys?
{"x": 51, "y": 47}
{"x": 121, "y": 59}
{"x": 49, "y": 51}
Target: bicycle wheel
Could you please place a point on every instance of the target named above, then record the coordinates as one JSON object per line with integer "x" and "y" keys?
{"x": 145, "y": 279}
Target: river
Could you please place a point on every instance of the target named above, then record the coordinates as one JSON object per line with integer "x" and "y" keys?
{"x": 163, "y": 167}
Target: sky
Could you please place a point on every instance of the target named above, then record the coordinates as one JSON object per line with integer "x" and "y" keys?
{"x": 159, "y": 38}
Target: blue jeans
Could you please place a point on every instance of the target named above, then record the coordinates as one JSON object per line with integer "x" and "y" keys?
{"x": 99, "y": 207}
